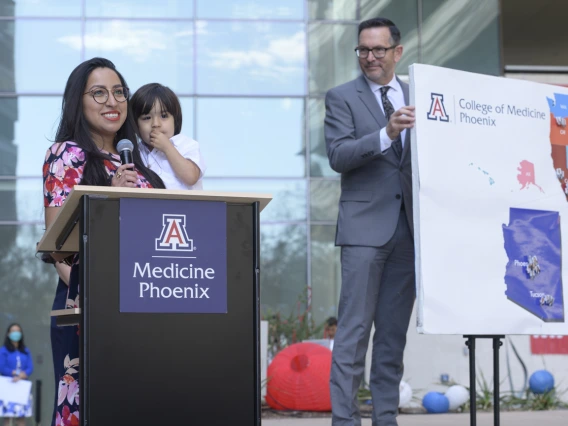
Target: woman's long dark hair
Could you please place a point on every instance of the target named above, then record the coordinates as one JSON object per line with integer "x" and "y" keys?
{"x": 74, "y": 127}
{"x": 8, "y": 343}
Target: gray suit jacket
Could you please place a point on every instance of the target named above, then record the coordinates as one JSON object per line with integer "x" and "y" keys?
{"x": 373, "y": 183}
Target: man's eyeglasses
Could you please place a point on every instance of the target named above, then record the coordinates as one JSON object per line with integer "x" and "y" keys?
{"x": 100, "y": 94}
{"x": 378, "y": 52}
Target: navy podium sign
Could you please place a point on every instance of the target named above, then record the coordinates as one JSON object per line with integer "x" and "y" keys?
{"x": 173, "y": 256}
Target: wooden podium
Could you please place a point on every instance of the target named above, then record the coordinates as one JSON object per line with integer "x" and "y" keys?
{"x": 159, "y": 368}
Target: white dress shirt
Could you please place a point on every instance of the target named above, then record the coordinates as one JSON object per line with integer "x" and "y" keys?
{"x": 396, "y": 96}
{"x": 157, "y": 161}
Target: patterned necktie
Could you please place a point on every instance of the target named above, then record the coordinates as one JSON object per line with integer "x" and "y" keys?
{"x": 389, "y": 110}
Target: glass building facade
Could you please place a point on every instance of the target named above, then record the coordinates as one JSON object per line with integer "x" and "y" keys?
{"x": 251, "y": 76}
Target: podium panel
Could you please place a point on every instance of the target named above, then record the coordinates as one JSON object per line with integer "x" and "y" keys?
{"x": 167, "y": 368}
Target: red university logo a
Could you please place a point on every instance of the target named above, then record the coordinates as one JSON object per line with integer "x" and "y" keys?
{"x": 174, "y": 234}
{"x": 437, "y": 109}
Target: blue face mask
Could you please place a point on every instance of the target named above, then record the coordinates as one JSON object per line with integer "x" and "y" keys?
{"x": 15, "y": 336}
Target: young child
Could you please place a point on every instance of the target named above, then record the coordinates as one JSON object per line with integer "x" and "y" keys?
{"x": 174, "y": 157}
{"x": 330, "y": 330}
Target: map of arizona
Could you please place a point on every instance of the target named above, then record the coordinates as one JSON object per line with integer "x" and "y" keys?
{"x": 559, "y": 138}
{"x": 534, "y": 271}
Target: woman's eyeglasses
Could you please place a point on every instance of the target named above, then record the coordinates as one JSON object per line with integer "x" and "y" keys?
{"x": 100, "y": 94}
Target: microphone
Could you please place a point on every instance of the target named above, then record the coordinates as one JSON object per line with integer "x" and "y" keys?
{"x": 125, "y": 148}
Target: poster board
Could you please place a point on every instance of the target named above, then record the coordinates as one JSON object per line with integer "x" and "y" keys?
{"x": 15, "y": 392}
{"x": 489, "y": 159}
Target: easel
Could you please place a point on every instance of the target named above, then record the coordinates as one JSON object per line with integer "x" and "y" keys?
{"x": 470, "y": 343}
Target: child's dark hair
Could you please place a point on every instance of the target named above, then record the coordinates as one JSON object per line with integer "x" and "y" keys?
{"x": 143, "y": 100}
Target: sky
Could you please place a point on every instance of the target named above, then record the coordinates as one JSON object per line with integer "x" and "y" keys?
{"x": 239, "y": 137}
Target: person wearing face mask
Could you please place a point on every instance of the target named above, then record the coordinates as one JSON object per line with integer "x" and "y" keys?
{"x": 16, "y": 362}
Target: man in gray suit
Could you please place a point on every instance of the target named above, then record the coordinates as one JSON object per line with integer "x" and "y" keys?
{"x": 367, "y": 132}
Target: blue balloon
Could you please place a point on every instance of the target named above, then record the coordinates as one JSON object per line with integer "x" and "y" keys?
{"x": 436, "y": 402}
{"x": 541, "y": 381}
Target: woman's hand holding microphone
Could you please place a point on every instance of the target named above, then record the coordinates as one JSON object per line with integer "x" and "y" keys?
{"x": 125, "y": 176}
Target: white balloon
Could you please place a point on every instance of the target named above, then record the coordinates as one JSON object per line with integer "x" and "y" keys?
{"x": 457, "y": 395}
{"x": 405, "y": 394}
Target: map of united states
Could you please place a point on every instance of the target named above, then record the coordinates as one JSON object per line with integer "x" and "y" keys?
{"x": 558, "y": 137}
{"x": 533, "y": 239}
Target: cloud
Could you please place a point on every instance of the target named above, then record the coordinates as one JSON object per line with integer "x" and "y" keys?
{"x": 200, "y": 28}
{"x": 286, "y": 104}
{"x": 277, "y": 60}
{"x": 255, "y": 10}
{"x": 133, "y": 40}
{"x": 291, "y": 49}
{"x": 282, "y": 57}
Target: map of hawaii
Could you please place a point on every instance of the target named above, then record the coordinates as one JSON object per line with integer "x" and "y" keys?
{"x": 491, "y": 180}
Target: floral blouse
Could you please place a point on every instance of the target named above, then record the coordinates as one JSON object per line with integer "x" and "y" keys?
{"x": 63, "y": 169}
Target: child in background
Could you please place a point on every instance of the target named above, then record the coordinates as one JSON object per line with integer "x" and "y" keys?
{"x": 330, "y": 330}
{"x": 174, "y": 157}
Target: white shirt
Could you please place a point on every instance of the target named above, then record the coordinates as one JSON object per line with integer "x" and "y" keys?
{"x": 396, "y": 96}
{"x": 157, "y": 161}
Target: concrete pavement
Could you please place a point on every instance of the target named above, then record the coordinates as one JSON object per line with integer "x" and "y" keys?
{"x": 521, "y": 418}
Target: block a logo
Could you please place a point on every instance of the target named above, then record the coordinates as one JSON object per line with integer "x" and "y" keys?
{"x": 174, "y": 235}
{"x": 437, "y": 108}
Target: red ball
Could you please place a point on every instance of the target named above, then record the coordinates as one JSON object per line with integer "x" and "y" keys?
{"x": 298, "y": 378}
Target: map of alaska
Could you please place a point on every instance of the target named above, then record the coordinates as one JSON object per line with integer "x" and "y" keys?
{"x": 533, "y": 274}
{"x": 526, "y": 176}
